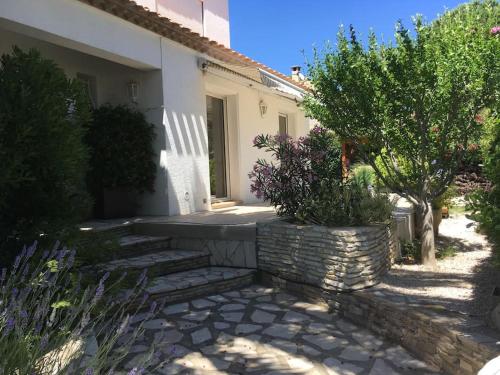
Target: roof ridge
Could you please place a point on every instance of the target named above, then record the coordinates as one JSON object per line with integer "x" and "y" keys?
{"x": 153, "y": 21}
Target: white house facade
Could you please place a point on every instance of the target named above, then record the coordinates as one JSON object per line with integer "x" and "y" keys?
{"x": 207, "y": 102}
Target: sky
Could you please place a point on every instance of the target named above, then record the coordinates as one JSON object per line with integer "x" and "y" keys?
{"x": 275, "y": 32}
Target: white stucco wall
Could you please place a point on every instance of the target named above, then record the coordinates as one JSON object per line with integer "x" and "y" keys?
{"x": 245, "y": 122}
{"x": 78, "y": 26}
{"x": 185, "y": 137}
{"x": 211, "y": 21}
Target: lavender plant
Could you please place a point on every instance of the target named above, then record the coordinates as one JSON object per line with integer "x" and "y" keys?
{"x": 50, "y": 324}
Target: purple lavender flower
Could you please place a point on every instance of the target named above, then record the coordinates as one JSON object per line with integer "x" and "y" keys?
{"x": 136, "y": 371}
{"x": 124, "y": 326}
{"x": 89, "y": 371}
{"x": 32, "y": 249}
{"x": 44, "y": 341}
{"x": 98, "y": 292}
{"x": 17, "y": 262}
{"x": 9, "y": 326}
{"x": 4, "y": 273}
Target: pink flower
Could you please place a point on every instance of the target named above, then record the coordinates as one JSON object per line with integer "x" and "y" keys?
{"x": 495, "y": 30}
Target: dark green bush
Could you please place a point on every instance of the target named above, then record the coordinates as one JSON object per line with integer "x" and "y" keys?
{"x": 42, "y": 156}
{"x": 121, "y": 150}
{"x": 485, "y": 205}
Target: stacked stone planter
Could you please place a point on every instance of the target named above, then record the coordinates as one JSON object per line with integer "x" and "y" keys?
{"x": 334, "y": 259}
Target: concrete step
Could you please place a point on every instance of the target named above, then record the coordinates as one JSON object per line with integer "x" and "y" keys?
{"x": 224, "y": 204}
{"x": 159, "y": 263}
{"x": 199, "y": 282}
{"x": 134, "y": 245}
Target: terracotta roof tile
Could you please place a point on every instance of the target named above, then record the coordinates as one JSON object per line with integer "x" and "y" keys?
{"x": 130, "y": 11}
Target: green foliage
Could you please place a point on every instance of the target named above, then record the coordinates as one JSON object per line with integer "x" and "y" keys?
{"x": 410, "y": 251}
{"x": 485, "y": 205}
{"x": 446, "y": 252}
{"x": 411, "y": 109}
{"x": 445, "y": 199}
{"x": 364, "y": 175}
{"x": 417, "y": 100}
{"x": 121, "y": 150}
{"x": 50, "y": 317}
{"x": 43, "y": 159}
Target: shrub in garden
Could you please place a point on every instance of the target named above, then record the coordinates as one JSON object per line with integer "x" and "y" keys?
{"x": 49, "y": 321}
{"x": 42, "y": 156}
{"x": 485, "y": 205}
{"x": 305, "y": 182}
{"x": 411, "y": 108}
{"x": 121, "y": 150}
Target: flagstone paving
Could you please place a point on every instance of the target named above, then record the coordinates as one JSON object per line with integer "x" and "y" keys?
{"x": 261, "y": 331}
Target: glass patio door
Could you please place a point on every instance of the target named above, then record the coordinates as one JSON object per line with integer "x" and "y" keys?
{"x": 217, "y": 147}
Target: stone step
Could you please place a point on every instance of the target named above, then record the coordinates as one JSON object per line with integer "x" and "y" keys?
{"x": 159, "y": 263}
{"x": 196, "y": 283}
{"x": 133, "y": 245}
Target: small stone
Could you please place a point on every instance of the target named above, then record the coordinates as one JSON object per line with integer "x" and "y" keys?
{"x": 335, "y": 367}
{"x": 176, "y": 309}
{"x": 259, "y": 316}
{"x": 174, "y": 350}
{"x": 168, "y": 337}
{"x": 183, "y": 325}
{"x": 295, "y": 317}
{"x": 324, "y": 341}
{"x": 268, "y": 307}
{"x": 310, "y": 351}
{"x": 201, "y": 336}
{"x": 138, "y": 349}
{"x": 232, "y": 307}
{"x": 218, "y": 298}
{"x": 233, "y": 294}
{"x": 345, "y": 326}
{"x": 232, "y": 316}
{"x": 382, "y": 368}
{"x": 284, "y": 331}
{"x": 283, "y": 345}
{"x": 367, "y": 340}
{"x": 202, "y": 303}
{"x": 198, "y": 316}
{"x": 355, "y": 353}
{"x": 157, "y": 324}
{"x": 245, "y": 301}
{"x": 221, "y": 325}
{"x": 246, "y": 328}
{"x": 264, "y": 299}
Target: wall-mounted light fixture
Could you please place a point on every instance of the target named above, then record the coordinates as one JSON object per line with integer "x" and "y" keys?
{"x": 263, "y": 108}
{"x": 133, "y": 91}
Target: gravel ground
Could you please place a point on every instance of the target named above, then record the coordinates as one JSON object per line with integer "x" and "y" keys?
{"x": 463, "y": 283}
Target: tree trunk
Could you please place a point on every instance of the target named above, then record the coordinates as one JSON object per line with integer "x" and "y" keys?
{"x": 428, "y": 250}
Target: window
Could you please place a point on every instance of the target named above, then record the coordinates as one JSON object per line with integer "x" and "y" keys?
{"x": 90, "y": 85}
{"x": 283, "y": 124}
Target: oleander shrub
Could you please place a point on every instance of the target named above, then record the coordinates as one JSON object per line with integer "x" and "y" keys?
{"x": 42, "y": 155}
{"x": 304, "y": 182}
{"x": 52, "y": 324}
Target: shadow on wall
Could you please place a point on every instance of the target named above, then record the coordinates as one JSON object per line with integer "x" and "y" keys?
{"x": 186, "y": 146}
{"x": 185, "y": 137}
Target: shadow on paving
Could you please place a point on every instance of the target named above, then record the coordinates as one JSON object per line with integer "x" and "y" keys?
{"x": 292, "y": 337}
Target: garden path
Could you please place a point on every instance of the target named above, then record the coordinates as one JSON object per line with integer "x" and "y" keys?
{"x": 258, "y": 330}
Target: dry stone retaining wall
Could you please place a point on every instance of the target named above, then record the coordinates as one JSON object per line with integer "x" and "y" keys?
{"x": 335, "y": 259}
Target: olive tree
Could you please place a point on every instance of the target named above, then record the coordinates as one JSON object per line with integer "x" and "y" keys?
{"x": 412, "y": 107}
